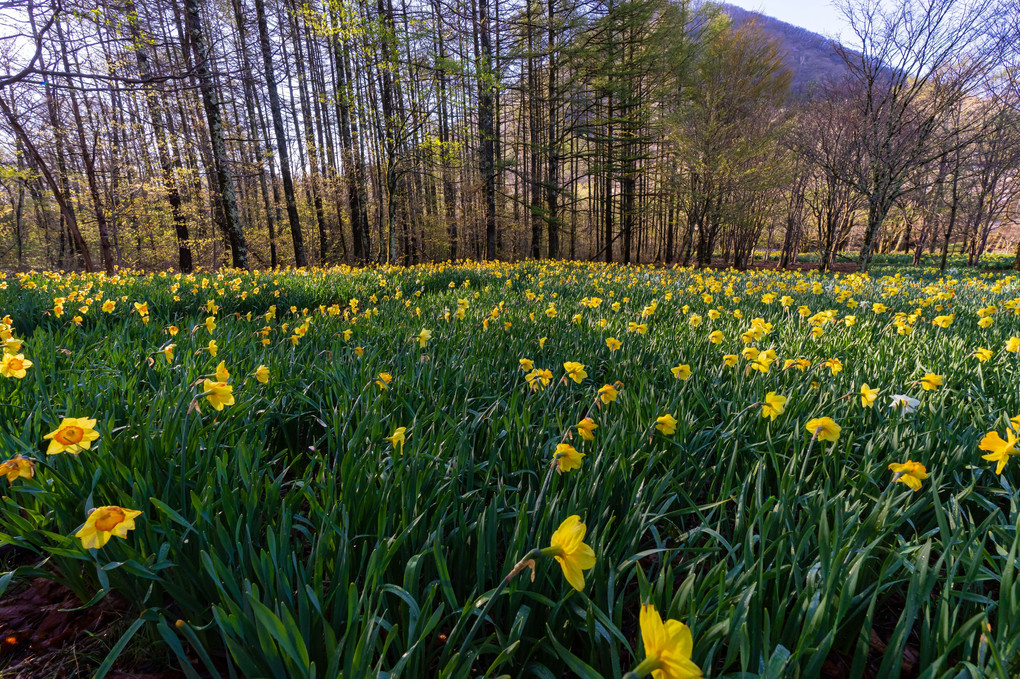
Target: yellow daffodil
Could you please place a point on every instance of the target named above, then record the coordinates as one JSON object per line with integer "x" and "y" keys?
{"x": 910, "y": 473}
{"x": 539, "y": 378}
{"x": 730, "y": 360}
{"x": 668, "y": 647}
{"x": 105, "y": 522}
{"x": 213, "y": 349}
{"x": 222, "y": 374}
{"x": 931, "y": 382}
{"x": 586, "y": 428}
{"x": 210, "y": 324}
{"x": 824, "y": 429}
{"x": 666, "y": 424}
{"x": 218, "y": 394}
{"x": 527, "y": 365}
{"x": 262, "y": 374}
{"x": 575, "y": 371}
{"x": 168, "y": 352}
{"x": 423, "y": 337}
{"x": 14, "y": 365}
{"x": 999, "y": 450}
{"x": 17, "y": 467}
{"x": 74, "y": 435}
{"x": 773, "y": 405}
{"x": 868, "y": 396}
{"x": 607, "y": 393}
{"x": 613, "y": 343}
{"x": 716, "y": 337}
{"x": 384, "y": 381}
{"x": 397, "y": 439}
{"x": 568, "y": 548}
{"x": 982, "y": 354}
{"x": 108, "y": 306}
{"x": 682, "y": 372}
{"x": 567, "y": 458}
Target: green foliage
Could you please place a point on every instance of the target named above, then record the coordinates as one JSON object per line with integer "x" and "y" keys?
{"x": 285, "y": 537}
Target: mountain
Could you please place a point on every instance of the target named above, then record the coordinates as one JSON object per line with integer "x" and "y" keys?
{"x": 810, "y": 57}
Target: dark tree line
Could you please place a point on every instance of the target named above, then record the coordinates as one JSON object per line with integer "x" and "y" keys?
{"x": 268, "y": 133}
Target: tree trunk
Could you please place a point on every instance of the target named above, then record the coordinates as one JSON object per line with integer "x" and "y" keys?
{"x": 210, "y": 101}
{"x": 276, "y": 112}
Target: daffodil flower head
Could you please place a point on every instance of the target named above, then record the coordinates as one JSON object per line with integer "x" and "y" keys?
{"x": 909, "y": 473}
{"x": 666, "y": 424}
{"x": 668, "y": 647}
{"x": 74, "y": 435}
{"x": 104, "y": 523}
{"x": 824, "y": 429}
{"x": 905, "y": 403}
{"x": 219, "y": 394}
{"x": 999, "y": 449}
{"x": 773, "y": 406}
{"x": 567, "y": 458}
{"x": 568, "y": 548}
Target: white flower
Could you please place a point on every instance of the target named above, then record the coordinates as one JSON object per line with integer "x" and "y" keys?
{"x": 904, "y": 402}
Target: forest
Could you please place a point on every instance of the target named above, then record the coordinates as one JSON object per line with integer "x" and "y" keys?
{"x": 204, "y": 134}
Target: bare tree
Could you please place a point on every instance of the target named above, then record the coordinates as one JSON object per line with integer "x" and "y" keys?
{"x": 914, "y": 62}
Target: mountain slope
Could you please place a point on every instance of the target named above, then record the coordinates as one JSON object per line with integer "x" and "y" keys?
{"x": 811, "y": 57}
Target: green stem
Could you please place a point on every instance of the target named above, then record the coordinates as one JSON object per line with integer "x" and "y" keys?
{"x": 521, "y": 565}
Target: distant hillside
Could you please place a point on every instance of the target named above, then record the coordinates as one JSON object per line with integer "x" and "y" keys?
{"x": 811, "y": 57}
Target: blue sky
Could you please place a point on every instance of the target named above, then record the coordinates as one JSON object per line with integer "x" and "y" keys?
{"x": 819, "y": 16}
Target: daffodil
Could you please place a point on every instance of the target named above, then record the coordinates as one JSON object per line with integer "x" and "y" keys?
{"x": 682, "y": 372}
{"x": 575, "y": 371}
{"x": 17, "y": 467}
{"x": 262, "y": 374}
{"x": 218, "y": 394}
{"x": 586, "y": 428}
{"x": 1013, "y": 345}
{"x": 999, "y": 449}
{"x": 423, "y": 337}
{"x": 213, "y": 348}
{"x": 909, "y": 473}
{"x": 383, "y": 382}
{"x": 905, "y": 403}
{"x": 824, "y": 429}
{"x": 613, "y": 343}
{"x": 668, "y": 647}
{"x": 74, "y": 435}
{"x": 105, "y": 522}
{"x": 14, "y": 365}
{"x": 833, "y": 364}
{"x": 931, "y": 382}
{"x": 210, "y": 324}
{"x": 868, "y": 396}
{"x": 982, "y": 354}
{"x": 773, "y": 405}
{"x": 168, "y": 352}
{"x": 568, "y": 548}
{"x": 715, "y": 337}
{"x": 539, "y": 378}
{"x": 108, "y": 306}
{"x": 666, "y": 424}
{"x": 526, "y": 364}
{"x": 607, "y": 393}
{"x": 397, "y": 439}
{"x": 730, "y": 360}
{"x": 222, "y": 374}
{"x": 567, "y": 458}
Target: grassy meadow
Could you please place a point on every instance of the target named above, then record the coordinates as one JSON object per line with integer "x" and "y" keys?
{"x": 349, "y": 472}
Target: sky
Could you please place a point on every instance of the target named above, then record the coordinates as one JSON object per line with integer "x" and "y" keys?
{"x": 818, "y": 16}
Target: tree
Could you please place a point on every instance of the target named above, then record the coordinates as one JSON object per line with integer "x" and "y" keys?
{"x": 913, "y": 64}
